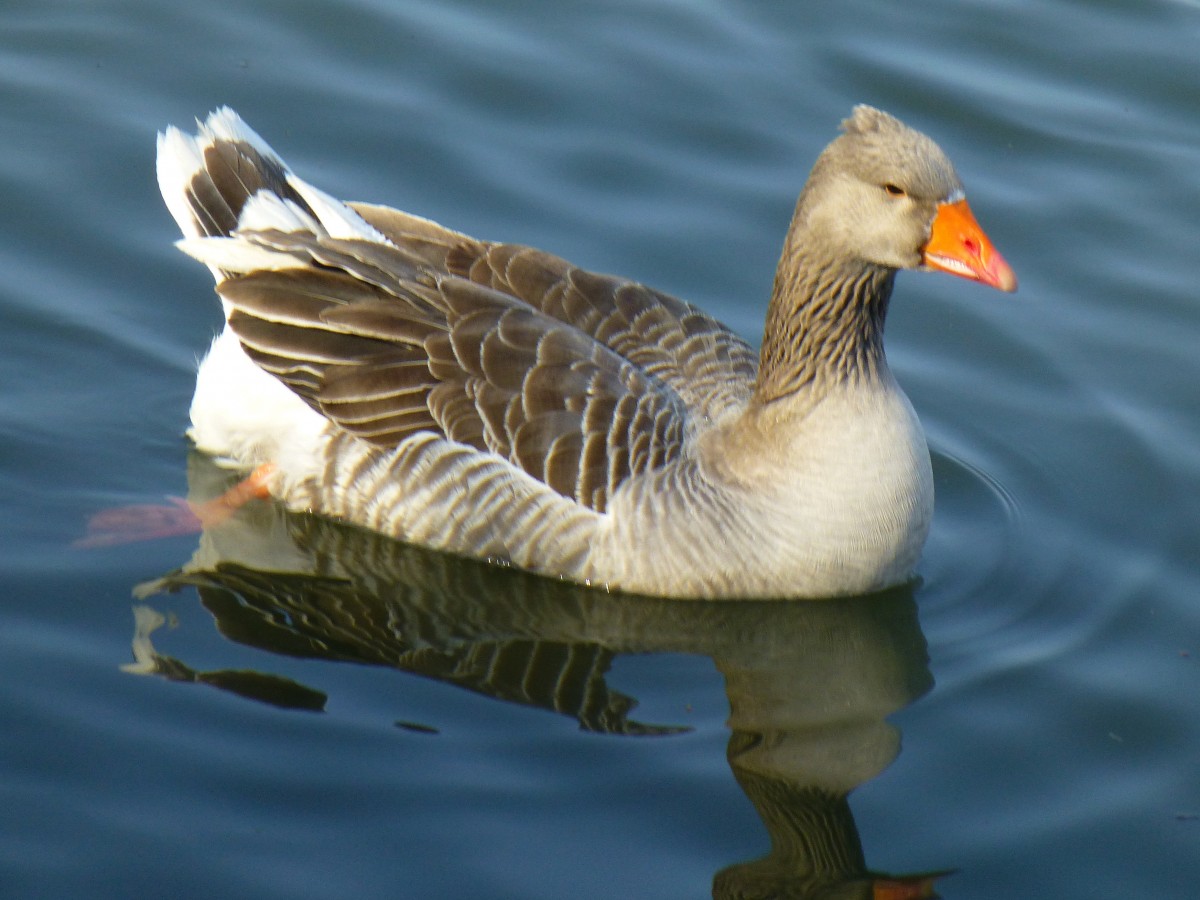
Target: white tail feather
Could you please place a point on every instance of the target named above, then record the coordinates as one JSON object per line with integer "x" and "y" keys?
{"x": 234, "y": 255}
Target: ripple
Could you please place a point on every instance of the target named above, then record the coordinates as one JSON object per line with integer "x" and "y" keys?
{"x": 977, "y": 529}
{"x": 998, "y": 565}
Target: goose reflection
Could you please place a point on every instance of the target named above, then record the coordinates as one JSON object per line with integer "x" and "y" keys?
{"x": 809, "y": 684}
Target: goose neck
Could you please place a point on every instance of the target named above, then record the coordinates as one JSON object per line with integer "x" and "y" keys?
{"x": 824, "y": 326}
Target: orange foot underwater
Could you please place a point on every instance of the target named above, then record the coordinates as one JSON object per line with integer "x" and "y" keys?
{"x": 149, "y": 521}
{"x": 906, "y": 887}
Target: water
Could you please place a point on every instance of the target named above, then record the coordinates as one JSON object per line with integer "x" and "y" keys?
{"x": 1027, "y": 715}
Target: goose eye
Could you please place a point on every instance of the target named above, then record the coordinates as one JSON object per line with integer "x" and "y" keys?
{"x": 894, "y": 190}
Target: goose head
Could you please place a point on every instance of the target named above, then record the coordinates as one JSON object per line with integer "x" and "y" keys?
{"x": 885, "y": 194}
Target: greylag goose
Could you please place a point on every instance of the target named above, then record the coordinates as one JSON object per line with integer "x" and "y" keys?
{"x": 494, "y": 401}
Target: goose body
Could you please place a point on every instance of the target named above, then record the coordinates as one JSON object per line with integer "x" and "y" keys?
{"x": 494, "y": 401}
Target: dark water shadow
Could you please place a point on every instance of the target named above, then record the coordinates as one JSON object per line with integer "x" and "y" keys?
{"x": 809, "y": 685}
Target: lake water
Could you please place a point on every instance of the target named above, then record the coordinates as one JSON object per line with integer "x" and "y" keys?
{"x": 328, "y": 715}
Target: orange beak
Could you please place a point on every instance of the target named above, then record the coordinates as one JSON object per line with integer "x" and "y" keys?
{"x": 958, "y": 245}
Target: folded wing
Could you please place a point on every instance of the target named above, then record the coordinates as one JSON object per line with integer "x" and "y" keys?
{"x": 389, "y": 325}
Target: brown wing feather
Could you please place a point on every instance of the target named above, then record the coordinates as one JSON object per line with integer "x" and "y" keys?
{"x": 580, "y": 379}
{"x": 707, "y": 365}
{"x": 710, "y": 368}
{"x": 385, "y": 349}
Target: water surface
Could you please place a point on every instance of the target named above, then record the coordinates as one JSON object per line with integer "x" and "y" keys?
{"x": 383, "y": 722}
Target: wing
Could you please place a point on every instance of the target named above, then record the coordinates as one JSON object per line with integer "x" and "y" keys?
{"x": 390, "y": 324}
{"x": 709, "y": 367}
{"x": 385, "y": 348}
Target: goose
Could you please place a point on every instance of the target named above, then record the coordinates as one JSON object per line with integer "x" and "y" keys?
{"x": 494, "y": 401}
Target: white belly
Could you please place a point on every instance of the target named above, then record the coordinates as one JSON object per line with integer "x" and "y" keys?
{"x": 244, "y": 416}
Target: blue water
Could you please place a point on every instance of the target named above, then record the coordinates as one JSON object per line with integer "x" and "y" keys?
{"x": 327, "y": 715}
